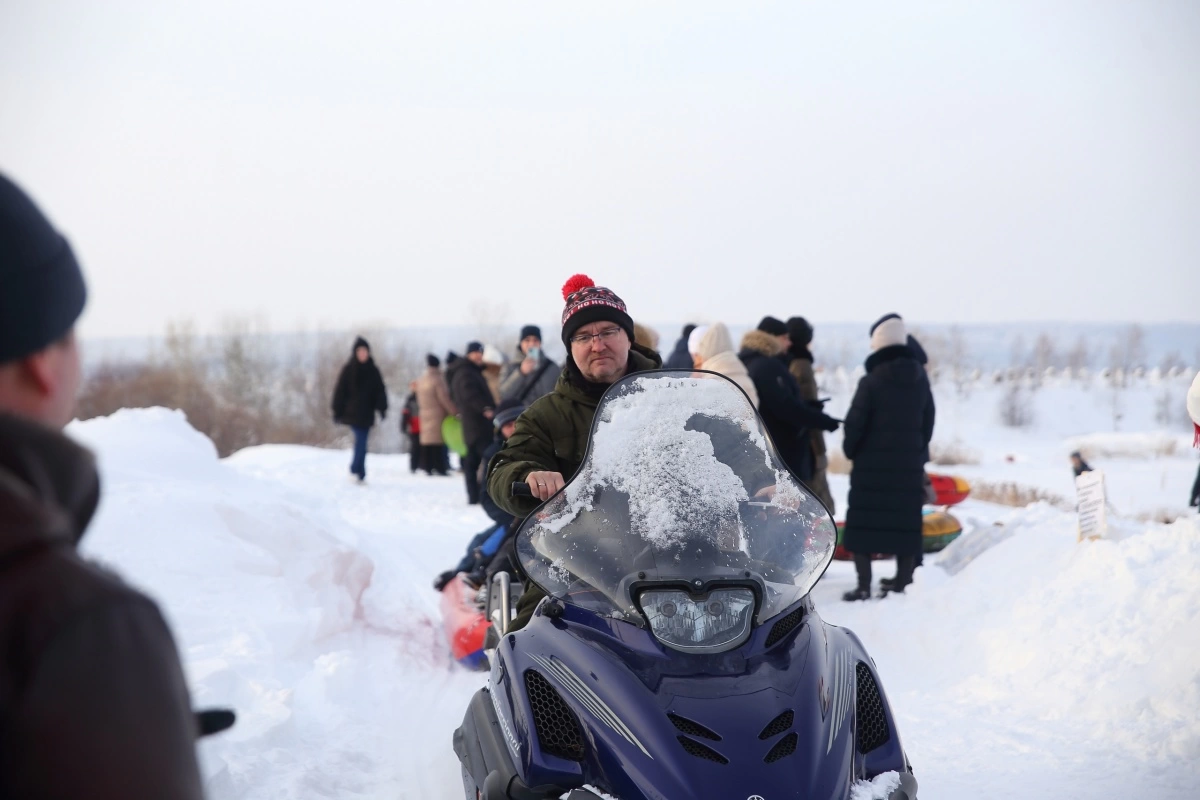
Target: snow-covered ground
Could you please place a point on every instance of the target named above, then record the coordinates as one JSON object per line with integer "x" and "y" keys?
{"x": 1046, "y": 668}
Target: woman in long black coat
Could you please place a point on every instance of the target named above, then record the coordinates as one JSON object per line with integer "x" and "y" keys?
{"x": 358, "y": 395}
{"x": 886, "y": 435}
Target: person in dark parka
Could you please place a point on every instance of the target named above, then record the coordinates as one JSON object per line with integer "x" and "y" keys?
{"x": 886, "y": 434}
{"x": 786, "y": 415}
{"x": 476, "y": 406}
{"x": 680, "y": 357}
{"x": 93, "y": 701}
{"x": 359, "y": 393}
{"x": 485, "y": 544}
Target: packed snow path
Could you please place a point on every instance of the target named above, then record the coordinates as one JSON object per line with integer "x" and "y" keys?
{"x": 1045, "y": 669}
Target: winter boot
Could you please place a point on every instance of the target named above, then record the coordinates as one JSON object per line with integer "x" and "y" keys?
{"x": 440, "y": 581}
{"x": 905, "y": 565}
{"x": 862, "y": 565}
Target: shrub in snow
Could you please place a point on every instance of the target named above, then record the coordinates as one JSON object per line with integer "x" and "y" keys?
{"x": 1016, "y": 407}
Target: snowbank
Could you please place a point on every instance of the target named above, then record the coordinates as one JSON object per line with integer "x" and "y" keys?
{"x": 1045, "y": 668}
{"x": 280, "y": 611}
{"x": 1046, "y": 652}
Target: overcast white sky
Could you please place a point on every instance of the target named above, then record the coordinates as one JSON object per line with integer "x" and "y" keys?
{"x": 322, "y": 163}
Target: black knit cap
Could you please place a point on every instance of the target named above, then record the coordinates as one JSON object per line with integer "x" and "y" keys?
{"x": 360, "y": 342}
{"x": 530, "y": 330}
{"x": 588, "y": 303}
{"x": 799, "y": 331}
{"x": 433, "y": 360}
{"x": 772, "y": 326}
{"x": 474, "y": 347}
{"x": 42, "y": 291}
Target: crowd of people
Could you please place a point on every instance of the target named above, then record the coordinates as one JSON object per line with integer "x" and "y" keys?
{"x": 90, "y": 667}
{"x": 887, "y": 430}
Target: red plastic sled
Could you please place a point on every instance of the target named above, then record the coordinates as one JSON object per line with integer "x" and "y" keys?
{"x": 464, "y": 624}
{"x": 950, "y": 491}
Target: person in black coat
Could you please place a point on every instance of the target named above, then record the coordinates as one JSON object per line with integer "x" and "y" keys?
{"x": 680, "y": 357}
{"x": 484, "y": 546}
{"x": 786, "y": 415}
{"x": 886, "y": 434}
{"x": 410, "y": 427}
{"x": 359, "y": 394}
{"x": 470, "y": 392}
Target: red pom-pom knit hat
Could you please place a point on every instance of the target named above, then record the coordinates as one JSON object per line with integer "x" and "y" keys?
{"x": 587, "y": 303}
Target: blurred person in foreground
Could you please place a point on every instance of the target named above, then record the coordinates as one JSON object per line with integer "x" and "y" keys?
{"x": 800, "y": 364}
{"x": 886, "y": 434}
{"x": 358, "y": 395}
{"x": 532, "y": 375}
{"x": 93, "y": 701}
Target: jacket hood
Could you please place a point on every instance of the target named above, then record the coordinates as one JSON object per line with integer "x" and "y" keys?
{"x": 49, "y": 488}
{"x": 896, "y": 352}
{"x": 762, "y": 343}
{"x": 716, "y": 339}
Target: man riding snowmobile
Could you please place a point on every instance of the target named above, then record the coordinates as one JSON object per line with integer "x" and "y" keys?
{"x": 676, "y": 651}
{"x": 551, "y": 437}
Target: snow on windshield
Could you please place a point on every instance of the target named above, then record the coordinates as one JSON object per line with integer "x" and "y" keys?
{"x": 646, "y": 444}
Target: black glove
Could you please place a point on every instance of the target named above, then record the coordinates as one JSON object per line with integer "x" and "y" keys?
{"x": 829, "y": 424}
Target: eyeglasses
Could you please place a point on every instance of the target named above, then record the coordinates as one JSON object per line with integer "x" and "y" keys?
{"x": 607, "y": 335}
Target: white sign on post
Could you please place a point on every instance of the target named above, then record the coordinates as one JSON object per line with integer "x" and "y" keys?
{"x": 1090, "y": 502}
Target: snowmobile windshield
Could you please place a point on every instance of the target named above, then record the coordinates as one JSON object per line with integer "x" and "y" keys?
{"x": 683, "y": 504}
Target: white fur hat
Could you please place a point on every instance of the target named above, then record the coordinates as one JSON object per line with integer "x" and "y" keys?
{"x": 694, "y": 338}
{"x": 888, "y": 332}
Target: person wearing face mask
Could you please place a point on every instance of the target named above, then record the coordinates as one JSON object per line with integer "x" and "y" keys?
{"x": 550, "y": 439}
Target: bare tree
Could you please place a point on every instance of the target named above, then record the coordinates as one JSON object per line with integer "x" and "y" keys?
{"x": 1016, "y": 407}
{"x": 1128, "y": 353}
{"x": 1079, "y": 357}
{"x": 956, "y": 349}
{"x": 1044, "y": 356}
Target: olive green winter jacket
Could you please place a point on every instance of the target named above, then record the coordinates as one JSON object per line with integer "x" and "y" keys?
{"x": 552, "y": 435}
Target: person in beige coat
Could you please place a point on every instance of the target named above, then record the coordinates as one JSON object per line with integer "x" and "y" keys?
{"x": 711, "y": 347}
{"x": 434, "y": 405}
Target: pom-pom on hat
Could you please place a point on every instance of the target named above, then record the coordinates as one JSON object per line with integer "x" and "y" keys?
{"x": 587, "y": 303}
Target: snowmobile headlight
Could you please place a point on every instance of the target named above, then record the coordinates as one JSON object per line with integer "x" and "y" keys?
{"x": 717, "y": 621}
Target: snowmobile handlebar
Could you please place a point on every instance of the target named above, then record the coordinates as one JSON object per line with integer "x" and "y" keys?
{"x": 521, "y": 489}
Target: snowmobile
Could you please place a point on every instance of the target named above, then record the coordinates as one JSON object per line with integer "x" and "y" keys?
{"x": 678, "y": 653}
